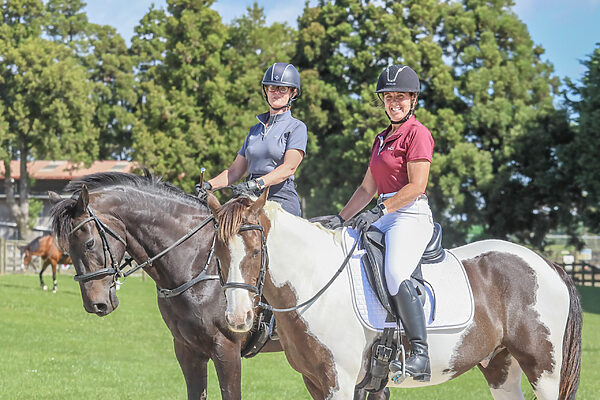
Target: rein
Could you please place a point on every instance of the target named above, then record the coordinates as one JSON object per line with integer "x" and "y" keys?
{"x": 117, "y": 270}
{"x": 263, "y": 270}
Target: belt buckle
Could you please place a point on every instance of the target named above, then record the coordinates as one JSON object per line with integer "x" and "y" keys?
{"x": 383, "y": 352}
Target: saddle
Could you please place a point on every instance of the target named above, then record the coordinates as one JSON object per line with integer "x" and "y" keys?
{"x": 373, "y": 242}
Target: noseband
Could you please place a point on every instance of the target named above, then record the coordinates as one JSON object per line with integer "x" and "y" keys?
{"x": 263, "y": 265}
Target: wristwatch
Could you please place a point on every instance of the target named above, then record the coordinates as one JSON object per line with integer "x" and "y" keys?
{"x": 260, "y": 183}
{"x": 382, "y": 208}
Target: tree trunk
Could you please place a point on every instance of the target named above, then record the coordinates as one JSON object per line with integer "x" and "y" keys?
{"x": 20, "y": 208}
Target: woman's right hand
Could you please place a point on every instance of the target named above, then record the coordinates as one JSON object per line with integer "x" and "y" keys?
{"x": 332, "y": 222}
{"x": 201, "y": 189}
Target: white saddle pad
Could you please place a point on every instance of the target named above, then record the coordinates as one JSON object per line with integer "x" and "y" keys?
{"x": 453, "y": 300}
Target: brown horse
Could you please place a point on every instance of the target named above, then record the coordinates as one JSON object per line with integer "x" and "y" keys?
{"x": 526, "y": 315}
{"x": 45, "y": 247}
{"x": 111, "y": 213}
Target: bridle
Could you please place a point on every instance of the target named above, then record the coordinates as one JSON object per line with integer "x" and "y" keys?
{"x": 117, "y": 271}
{"x": 114, "y": 269}
{"x": 258, "y": 288}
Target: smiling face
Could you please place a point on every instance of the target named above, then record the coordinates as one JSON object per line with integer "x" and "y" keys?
{"x": 397, "y": 104}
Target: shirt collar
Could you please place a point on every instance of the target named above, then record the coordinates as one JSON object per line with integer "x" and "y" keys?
{"x": 387, "y": 135}
{"x": 264, "y": 117}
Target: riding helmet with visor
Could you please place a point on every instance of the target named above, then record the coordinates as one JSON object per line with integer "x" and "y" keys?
{"x": 282, "y": 74}
{"x": 399, "y": 78}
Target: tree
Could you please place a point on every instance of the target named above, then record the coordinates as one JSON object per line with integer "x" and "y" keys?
{"x": 103, "y": 52}
{"x": 199, "y": 88}
{"x": 486, "y": 95}
{"x": 44, "y": 98}
{"x": 582, "y": 156}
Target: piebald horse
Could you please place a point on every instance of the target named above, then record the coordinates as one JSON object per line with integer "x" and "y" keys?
{"x": 46, "y": 249}
{"x": 111, "y": 213}
{"x": 527, "y": 316}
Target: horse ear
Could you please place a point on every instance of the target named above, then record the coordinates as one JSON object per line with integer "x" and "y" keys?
{"x": 260, "y": 202}
{"x": 82, "y": 201}
{"x": 54, "y": 197}
{"x": 213, "y": 202}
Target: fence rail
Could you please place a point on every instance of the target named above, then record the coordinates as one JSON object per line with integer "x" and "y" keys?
{"x": 583, "y": 273}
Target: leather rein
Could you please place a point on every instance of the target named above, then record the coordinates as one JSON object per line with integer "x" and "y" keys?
{"x": 258, "y": 288}
{"x": 117, "y": 271}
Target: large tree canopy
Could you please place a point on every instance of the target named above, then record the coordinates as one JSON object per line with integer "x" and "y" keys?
{"x": 486, "y": 96}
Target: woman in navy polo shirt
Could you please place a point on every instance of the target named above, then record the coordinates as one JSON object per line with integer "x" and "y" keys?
{"x": 399, "y": 171}
{"x": 274, "y": 147}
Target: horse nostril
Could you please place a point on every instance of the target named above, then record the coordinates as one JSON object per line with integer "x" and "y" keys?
{"x": 100, "y": 307}
{"x": 249, "y": 318}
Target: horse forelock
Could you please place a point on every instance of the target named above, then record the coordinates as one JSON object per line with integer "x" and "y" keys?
{"x": 63, "y": 214}
{"x": 231, "y": 216}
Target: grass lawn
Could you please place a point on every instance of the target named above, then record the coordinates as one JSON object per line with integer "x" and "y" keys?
{"x": 50, "y": 348}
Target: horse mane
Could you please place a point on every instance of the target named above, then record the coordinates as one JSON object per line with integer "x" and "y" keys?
{"x": 229, "y": 217}
{"x": 63, "y": 212}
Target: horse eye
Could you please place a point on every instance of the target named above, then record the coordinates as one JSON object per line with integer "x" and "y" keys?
{"x": 89, "y": 244}
{"x": 255, "y": 253}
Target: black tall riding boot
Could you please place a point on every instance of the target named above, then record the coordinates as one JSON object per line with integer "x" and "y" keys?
{"x": 409, "y": 310}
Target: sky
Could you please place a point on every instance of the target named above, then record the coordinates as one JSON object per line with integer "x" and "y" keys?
{"x": 567, "y": 30}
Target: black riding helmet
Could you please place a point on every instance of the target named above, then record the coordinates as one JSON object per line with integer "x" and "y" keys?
{"x": 399, "y": 78}
{"x": 282, "y": 74}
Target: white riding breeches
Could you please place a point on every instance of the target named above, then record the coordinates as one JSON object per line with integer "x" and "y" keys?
{"x": 407, "y": 231}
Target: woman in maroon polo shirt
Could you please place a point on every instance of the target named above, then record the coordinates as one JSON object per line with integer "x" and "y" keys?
{"x": 398, "y": 171}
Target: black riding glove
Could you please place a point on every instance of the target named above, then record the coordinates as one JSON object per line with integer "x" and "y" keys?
{"x": 332, "y": 222}
{"x": 366, "y": 218}
{"x": 246, "y": 188}
{"x": 201, "y": 189}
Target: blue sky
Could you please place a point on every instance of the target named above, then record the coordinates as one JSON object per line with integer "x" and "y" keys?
{"x": 567, "y": 30}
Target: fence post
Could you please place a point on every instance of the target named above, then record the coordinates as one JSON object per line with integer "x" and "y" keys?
{"x": 2, "y": 256}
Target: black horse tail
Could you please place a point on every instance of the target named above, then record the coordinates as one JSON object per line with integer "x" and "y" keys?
{"x": 571, "y": 360}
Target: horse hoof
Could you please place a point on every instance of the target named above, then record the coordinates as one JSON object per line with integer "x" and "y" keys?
{"x": 44, "y": 288}
{"x": 53, "y": 290}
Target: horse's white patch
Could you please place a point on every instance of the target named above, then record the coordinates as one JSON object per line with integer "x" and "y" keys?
{"x": 239, "y": 302}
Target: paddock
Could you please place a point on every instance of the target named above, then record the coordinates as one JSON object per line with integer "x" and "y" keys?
{"x": 53, "y": 349}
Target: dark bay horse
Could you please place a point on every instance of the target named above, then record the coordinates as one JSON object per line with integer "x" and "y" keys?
{"x": 46, "y": 249}
{"x": 111, "y": 213}
{"x": 526, "y": 320}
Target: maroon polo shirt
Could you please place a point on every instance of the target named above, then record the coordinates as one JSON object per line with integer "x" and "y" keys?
{"x": 393, "y": 150}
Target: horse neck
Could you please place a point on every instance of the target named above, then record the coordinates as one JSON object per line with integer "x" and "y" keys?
{"x": 153, "y": 223}
{"x": 301, "y": 254}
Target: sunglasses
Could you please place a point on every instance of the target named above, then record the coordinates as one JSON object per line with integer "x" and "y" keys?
{"x": 280, "y": 89}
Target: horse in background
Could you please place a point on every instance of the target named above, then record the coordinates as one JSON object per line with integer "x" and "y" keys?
{"x": 46, "y": 248}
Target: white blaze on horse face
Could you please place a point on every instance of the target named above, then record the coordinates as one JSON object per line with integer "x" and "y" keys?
{"x": 239, "y": 314}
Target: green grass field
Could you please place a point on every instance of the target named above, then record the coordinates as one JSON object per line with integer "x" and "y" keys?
{"x": 50, "y": 348}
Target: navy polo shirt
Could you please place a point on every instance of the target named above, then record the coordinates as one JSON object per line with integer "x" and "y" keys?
{"x": 265, "y": 147}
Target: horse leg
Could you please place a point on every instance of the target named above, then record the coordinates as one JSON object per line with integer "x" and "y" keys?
{"x": 44, "y": 266}
{"x": 228, "y": 364}
{"x": 361, "y": 394}
{"x": 194, "y": 370}
{"x": 503, "y": 375}
{"x": 54, "y": 282}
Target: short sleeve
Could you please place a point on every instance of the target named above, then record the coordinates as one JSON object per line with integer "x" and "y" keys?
{"x": 298, "y": 138}
{"x": 421, "y": 146}
{"x": 242, "y": 150}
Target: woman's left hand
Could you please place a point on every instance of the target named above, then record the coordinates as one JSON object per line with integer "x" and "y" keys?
{"x": 367, "y": 218}
{"x": 246, "y": 188}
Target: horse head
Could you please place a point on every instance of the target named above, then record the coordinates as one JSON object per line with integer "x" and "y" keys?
{"x": 241, "y": 248}
{"x": 94, "y": 241}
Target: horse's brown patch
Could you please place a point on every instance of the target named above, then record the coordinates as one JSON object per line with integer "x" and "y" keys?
{"x": 506, "y": 284}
